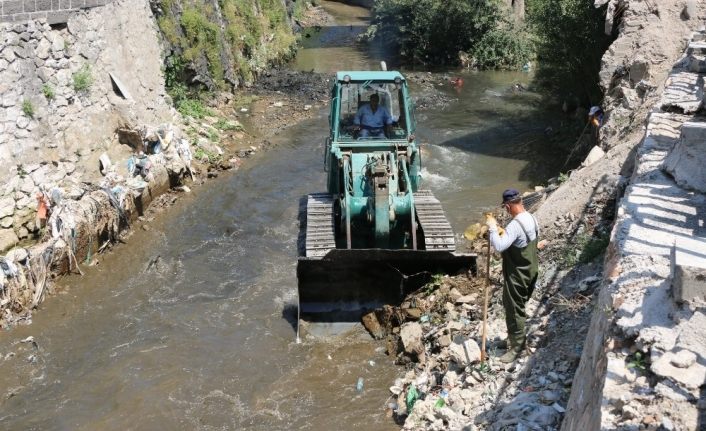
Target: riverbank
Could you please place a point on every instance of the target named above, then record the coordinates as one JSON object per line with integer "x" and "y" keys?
{"x": 92, "y": 198}
{"x": 611, "y": 338}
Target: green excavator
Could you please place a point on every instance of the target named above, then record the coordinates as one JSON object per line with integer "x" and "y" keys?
{"x": 375, "y": 235}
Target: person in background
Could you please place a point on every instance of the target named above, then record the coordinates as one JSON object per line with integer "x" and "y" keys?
{"x": 372, "y": 119}
{"x": 518, "y": 248}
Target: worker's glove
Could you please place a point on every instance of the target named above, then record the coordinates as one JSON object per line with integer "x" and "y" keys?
{"x": 491, "y": 222}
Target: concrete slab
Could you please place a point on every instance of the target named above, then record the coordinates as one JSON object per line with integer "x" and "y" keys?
{"x": 696, "y": 47}
{"x": 683, "y": 93}
{"x": 688, "y": 260}
{"x": 687, "y": 159}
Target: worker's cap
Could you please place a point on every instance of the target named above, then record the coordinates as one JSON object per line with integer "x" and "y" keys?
{"x": 510, "y": 195}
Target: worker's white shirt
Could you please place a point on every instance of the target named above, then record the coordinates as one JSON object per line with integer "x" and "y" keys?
{"x": 514, "y": 234}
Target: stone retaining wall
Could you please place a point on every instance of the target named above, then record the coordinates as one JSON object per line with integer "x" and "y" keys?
{"x": 644, "y": 358}
{"x": 60, "y": 105}
{"x": 53, "y": 11}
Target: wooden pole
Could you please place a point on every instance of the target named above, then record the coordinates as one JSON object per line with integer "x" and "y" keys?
{"x": 486, "y": 288}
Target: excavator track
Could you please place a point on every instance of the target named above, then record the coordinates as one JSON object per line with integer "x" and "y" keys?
{"x": 320, "y": 225}
{"x": 437, "y": 231}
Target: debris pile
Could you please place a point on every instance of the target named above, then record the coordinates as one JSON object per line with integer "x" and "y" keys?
{"x": 436, "y": 333}
{"x": 77, "y": 220}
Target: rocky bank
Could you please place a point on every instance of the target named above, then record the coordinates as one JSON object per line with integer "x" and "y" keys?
{"x": 614, "y": 339}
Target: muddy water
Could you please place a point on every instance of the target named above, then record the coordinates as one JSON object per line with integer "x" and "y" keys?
{"x": 190, "y": 324}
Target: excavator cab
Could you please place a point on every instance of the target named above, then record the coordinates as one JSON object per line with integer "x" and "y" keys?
{"x": 374, "y": 234}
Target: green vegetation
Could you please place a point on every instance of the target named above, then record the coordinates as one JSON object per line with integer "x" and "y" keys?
{"x": 48, "y": 92}
{"x": 638, "y": 361}
{"x": 83, "y": 79}
{"x": 565, "y": 37}
{"x": 585, "y": 248}
{"x": 28, "y": 108}
{"x": 213, "y": 135}
{"x": 225, "y": 125}
{"x": 206, "y": 156}
{"x": 570, "y": 42}
{"x": 433, "y": 32}
{"x": 253, "y": 35}
{"x": 192, "y": 108}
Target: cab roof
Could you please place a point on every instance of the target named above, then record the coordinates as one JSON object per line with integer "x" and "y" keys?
{"x": 369, "y": 75}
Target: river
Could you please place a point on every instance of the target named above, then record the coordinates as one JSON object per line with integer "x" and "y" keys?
{"x": 190, "y": 325}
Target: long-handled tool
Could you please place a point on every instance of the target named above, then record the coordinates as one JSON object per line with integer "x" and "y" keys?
{"x": 486, "y": 289}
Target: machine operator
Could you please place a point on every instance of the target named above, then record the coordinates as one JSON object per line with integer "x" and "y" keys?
{"x": 372, "y": 119}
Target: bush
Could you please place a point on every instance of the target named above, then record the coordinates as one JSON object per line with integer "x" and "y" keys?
{"x": 502, "y": 49}
{"x": 83, "y": 79}
{"x": 570, "y": 44}
{"x": 433, "y": 31}
{"x": 48, "y": 91}
{"x": 28, "y": 108}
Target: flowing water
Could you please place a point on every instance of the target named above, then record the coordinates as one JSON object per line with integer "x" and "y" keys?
{"x": 190, "y": 325}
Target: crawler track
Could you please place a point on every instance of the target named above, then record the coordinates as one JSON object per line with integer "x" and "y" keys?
{"x": 437, "y": 231}
{"x": 319, "y": 224}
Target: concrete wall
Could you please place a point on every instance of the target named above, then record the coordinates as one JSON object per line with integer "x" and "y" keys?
{"x": 54, "y": 11}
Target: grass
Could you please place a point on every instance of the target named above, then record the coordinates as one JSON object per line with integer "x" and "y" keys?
{"x": 28, "y": 108}
{"x": 213, "y": 135}
{"x": 225, "y": 125}
{"x": 193, "y": 108}
{"x": 585, "y": 248}
{"x": 48, "y": 92}
{"x": 83, "y": 79}
{"x": 206, "y": 156}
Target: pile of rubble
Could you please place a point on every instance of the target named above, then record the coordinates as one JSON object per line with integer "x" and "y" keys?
{"x": 437, "y": 335}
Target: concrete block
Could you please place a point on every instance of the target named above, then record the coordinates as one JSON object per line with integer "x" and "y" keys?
{"x": 38, "y": 15}
{"x": 12, "y": 7}
{"x": 30, "y": 6}
{"x": 78, "y": 4}
{"x": 688, "y": 261}
{"x": 43, "y": 5}
{"x": 696, "y": 48}
{"x": 20, "y": 17}
{"x": 92, "y": 3}
{"x": 58, "y": 17}
{"x": 685, "y": 163}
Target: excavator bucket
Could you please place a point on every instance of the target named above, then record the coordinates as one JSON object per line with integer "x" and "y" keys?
{"x": 344, "y": 283}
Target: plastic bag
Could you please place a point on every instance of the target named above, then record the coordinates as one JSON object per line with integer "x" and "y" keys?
{"x": 412, "y": 397}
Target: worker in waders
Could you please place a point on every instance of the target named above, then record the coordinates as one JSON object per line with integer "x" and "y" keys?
{"x": 518, "y": 247}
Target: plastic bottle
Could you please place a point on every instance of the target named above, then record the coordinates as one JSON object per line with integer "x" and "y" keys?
{"x": 359, "y": 385}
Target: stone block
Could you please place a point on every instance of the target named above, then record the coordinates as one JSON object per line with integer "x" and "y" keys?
{"x": 688, "y": 157}
{"x": 696, "y": 48}
{"x": 8, "y": 239}
{"x": 92, "y": 3}
{"x": 39, "y": 15}
{"x": 12, "y": 7}
{"x": 58, "y": 17}
{"x": 78, "y": 4}
{"x": 30, "y": 6}
{"x": 44, "y": 5}
{"x": 688, "y": 260}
